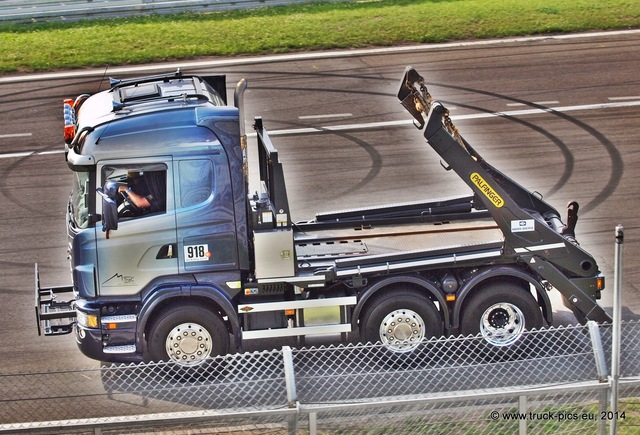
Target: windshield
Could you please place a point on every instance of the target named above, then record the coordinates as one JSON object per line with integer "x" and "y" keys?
{"x": 80, "y": 199}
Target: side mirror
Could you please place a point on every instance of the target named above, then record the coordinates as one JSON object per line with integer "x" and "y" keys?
{"x": 109, "y": 206}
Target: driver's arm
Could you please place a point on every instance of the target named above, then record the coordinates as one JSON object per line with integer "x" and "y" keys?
{"x": 137, "y": 200}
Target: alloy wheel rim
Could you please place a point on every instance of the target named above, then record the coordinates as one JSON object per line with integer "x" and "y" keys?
{"x": 502, "y": 324}
{"x": 189, "y": 344}
{"x": 402, "y": 330}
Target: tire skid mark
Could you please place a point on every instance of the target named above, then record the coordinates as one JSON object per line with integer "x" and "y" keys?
{"x": 617, "y": 164}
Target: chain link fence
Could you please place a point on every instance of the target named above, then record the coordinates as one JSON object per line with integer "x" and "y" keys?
{"x": 553, "y": 380}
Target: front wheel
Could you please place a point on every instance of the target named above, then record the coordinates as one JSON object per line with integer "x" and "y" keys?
{"x": 187, "y": 335}
{"x": 501, "y": 314}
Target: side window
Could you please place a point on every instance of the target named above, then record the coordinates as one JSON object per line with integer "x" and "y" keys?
{"x": 196, "y": 182}
{"x": 140, "y": 190}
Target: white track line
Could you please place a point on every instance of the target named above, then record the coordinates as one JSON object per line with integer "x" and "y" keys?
{"x": 370, "y": 125}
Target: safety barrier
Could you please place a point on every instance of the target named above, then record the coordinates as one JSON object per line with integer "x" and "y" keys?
{"x": 29, "y": 11}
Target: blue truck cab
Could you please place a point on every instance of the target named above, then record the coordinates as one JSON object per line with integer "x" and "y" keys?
{"x": 175, "y": 141}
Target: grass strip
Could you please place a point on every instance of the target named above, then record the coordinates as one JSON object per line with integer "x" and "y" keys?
{"x": 317, "y": 26}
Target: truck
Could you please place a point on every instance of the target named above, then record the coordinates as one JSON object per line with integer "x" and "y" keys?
{"x": 174, "y": 259}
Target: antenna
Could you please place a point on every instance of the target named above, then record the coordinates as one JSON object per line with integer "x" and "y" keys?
{"x": 103, "y": 76}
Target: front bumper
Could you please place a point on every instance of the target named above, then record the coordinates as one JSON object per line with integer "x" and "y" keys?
{"x": 110, "y": 338}
{"x": 91, "y": 343}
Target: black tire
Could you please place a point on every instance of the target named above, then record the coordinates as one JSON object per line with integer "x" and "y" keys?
{"x": 408, "y": 318}
{"x": 193, "y": 332}
{"x": 501, "y": 313}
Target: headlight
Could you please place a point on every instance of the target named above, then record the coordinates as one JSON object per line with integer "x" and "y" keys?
{"x": 87, "y": 320}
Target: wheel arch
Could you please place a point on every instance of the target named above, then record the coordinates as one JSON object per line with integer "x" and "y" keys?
{"x": 414, "y": 282}
{"x": 164, "y": 297}
{"x": 502, "y": 273}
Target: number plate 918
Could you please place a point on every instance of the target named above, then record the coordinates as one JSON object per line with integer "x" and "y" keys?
{"x": 196, "y": 253}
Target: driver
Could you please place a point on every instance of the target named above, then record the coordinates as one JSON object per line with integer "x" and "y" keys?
{"x": 145, "y": 191}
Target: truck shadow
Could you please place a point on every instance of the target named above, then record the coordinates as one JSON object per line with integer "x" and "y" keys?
{"x": 225, "y": 382}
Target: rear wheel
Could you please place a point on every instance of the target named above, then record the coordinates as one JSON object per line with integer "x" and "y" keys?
{"x": 501, "y": 313}
{"x": 187, "y": 335}
{"x": 400, "y": 320}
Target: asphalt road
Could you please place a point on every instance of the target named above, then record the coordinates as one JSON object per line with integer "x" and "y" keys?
{"x": 568, "y": 129}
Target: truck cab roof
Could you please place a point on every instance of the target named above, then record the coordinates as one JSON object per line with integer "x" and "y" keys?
{"x": 131, "y": 97}
{"x": 153, "y": 113}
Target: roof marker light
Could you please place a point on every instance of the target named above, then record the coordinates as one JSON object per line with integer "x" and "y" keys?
{"x": 69, "y": 121}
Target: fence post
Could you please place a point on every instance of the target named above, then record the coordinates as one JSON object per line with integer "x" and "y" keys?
{"x": 290, "y": 383}
{"x": 601, "y": 367}
{"x": 313, "y": 423}
{"x": 289, "y": 376}
{"x": 615, "y": 338}
{"x": 522, "y": 409}
{"x": 598, "y": 350}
